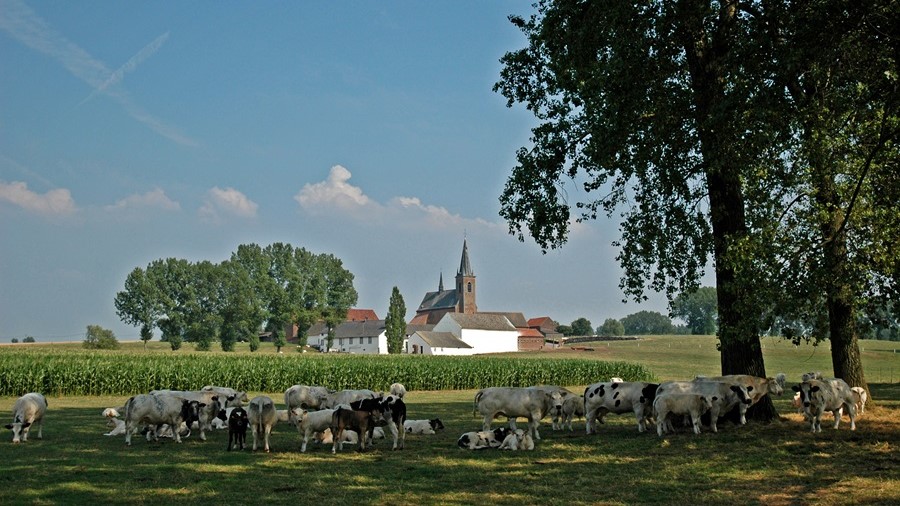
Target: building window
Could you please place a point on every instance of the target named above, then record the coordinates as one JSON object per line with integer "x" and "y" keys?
{"x": 351, "y": 341}
{"x": 469, "y": 287}
{"x": 370, "y": 339}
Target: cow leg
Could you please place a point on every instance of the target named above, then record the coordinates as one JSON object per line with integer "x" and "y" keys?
{"x": 255, "y": 435}
{"x": 639, "y": 414}
{"x": 511, "y": 421}
{"x": 851, "y": 410}
{"x": 695, "y": 419}
{"x": 534, "y": 422}
{"x": 393, "y": 428}
{"x": 486, "y": 425}
{"x": 268, "y": 431}
{"x": 661, "y": 427}
{"x": 305, "y": 439}
{"x": 589, "y": 419}
{"x": 176, "y": 433}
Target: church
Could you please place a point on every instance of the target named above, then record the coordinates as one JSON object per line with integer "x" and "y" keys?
{"x": 459, "y": 300}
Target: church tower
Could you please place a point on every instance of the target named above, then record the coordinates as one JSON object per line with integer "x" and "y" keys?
{"x": 465, "y": 284}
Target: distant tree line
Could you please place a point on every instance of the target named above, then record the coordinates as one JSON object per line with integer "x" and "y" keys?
{"x": 256, "y": 289}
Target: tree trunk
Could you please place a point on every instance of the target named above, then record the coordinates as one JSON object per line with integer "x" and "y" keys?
{"x": 705, "y": 53}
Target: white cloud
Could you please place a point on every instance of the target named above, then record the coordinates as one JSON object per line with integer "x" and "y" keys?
{"x": 53, "y": 203}
{"x": 227, "y": 201}
{"x": 335, "y": 193}
{"x": 156, "y": 198}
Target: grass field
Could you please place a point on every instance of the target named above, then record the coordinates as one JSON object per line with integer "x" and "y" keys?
{"x": 777, "y": 463}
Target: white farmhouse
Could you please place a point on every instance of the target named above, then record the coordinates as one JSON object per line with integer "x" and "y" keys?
{"x": 466, "y": 334}
{"x": 352, "y": 337}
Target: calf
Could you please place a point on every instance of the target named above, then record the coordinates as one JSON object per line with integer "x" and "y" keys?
{"x": 28, "y": 410}
{"x": 159, "y": 409}
{"x": 832, "y": 395}
{"x": 517, "y": 440}
{"x": 360, "y": 420}
{"x": 618, "y": 397}
{"x": 572, "y": 407}
{"x": 311, "y": 422}
{"x": 423, "y": 426}
{"x": 398, "y": 390}
{"x": 112, "y": 422}
{"x": 262, "y": 416}
{"x": 729, "y": 395}
{"x": 480, "y": 440}
{"x": 861, "y": 399}
{"x": 680, "y": 404}
{"x": 238, "y": 421}
{"x": 394, "y": 418}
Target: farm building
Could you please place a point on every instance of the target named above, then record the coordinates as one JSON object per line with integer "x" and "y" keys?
{"x": 466, "y": 334}
{"x": 351, "y": 337}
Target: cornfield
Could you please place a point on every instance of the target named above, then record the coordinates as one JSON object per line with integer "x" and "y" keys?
{"x": 104, "y": 373}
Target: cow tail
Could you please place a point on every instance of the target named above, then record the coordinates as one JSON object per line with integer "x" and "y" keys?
{"x": 477, "y": 400}
{"x": 128, "y": 406}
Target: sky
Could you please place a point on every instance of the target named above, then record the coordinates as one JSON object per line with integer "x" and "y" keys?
{"x": 134, "y": 131}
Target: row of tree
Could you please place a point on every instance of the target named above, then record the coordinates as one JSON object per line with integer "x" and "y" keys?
{"x": 257, "y": 288}
{"x": 758, "y": 135}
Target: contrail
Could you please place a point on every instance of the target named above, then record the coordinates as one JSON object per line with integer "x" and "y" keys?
{"x": 130, "y": 65}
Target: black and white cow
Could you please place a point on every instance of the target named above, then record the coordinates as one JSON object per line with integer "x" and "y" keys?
{"x": 159, "y": 409}
{"x": 618, "y": 398}
{"x": 362, "y": 420}
{"x": 533, "y": 403}
{"x": 819, "y": 396}
{"x": 482, "y": 440}
{"x": 238, "y": 421}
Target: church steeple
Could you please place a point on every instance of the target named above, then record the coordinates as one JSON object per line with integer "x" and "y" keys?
{"x": 465, "y": 284}
{"x": 441, "y": 283}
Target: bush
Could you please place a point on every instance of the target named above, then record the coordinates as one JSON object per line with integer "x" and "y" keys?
{"x": 28, "y": 339}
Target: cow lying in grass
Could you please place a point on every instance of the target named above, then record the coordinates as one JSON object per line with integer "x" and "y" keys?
{"x": 481, "y": 440}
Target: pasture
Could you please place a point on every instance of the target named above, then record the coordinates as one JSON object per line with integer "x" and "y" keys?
{"x": 777, "y": 463}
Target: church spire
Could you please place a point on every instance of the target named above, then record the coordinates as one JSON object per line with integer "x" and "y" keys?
{"x": 441, "y": 283}
{"x": 465, "y": 268}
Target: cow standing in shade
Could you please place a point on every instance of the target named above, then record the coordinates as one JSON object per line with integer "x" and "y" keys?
{"x": 28, "y": 411}
{"x": 159, "y": 409}
{"x": 618, "y": 398}
{"x": 263, "y": 416}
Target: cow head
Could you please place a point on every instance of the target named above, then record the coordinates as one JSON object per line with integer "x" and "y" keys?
{"x": 190, "y": 411}
{"x": 775, "y": 385}
{"x": 807, "y": 391}
{"x": 706, "y": 402}
{"x": 500, "y": 433}
{"x": 742, "y": 393}
{"x": 436, "y": 424}
{"x": 19, "y": 430}
{"x": 238, "y": 421}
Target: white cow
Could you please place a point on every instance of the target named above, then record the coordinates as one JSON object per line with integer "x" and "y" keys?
{"x": 729, "y": 395}
{"x": 572, "y": 407}
{"x": 29, "y": 410}
{"x": 680, "y": 404}
{"x": 618, "y": 398}
{"x": 517, "y": 440}
{"x": 225, "y": 394}
{"x": 305, "y": 397}
{"x": 212, "y": 401}
{"x": 832, "y": 395}
{"x": 263, "y": 417}
{"x": 757, "y": 387}
{"x": 512, "y": 402}
{"x": 333, "y": 399}
{"x": 861, "y": 399}
{"x": 311, "y": 422}
{"x": 398, "y": 390}
{"x": 158, "y": 409}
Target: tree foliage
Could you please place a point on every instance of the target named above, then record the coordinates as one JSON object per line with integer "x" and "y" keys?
{"x": 395, "y": 322}
{"x": 99, "y": 338}
{"x": 611, "y": 327}
{"x": 647, "y": 322}
{"x": 697, "y": 309}
{"x": 582, "y": 327}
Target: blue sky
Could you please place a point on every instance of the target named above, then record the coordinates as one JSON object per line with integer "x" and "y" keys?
{"x": 132, "y": 131}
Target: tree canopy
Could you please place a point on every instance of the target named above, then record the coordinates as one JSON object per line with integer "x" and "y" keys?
{"x": 697, "y": 309}
{"x": 395, "y": 322}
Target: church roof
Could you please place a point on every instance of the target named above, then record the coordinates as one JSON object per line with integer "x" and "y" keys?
{"x": 465, "y": 267}
{"x": 438, "y": 300}
{"x": 442, "y": 339}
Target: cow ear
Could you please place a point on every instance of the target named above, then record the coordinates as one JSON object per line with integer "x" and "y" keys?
{"x": 814, "y": 389}
{"x": 795, "y": 388}
{"x": 26, "y": 425}
{"x": 715, "y": 398}
{"x": 8, "y": 426}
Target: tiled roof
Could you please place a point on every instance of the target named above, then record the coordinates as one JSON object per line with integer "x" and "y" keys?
{"x": 530, "y": 333}
{"x": 438, "y": 300}
{"x": 441, "y": 339}
{"x": 370, "y": 328}
{"x": 517, "y": 319}
{"x": 360, "y": 315}
{"x": 482, "y": 321}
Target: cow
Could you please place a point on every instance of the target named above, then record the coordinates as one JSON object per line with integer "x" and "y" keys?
{"x": 572, "y": 407}
{"x": 361, "y": 420}
{"x": 423, "y": 426}
{"x": 28, "y": 411}
{"x": 311, "y": 422}
{"x": 669, "y": 404}
{"x": 729, "y": 395}
{"x": 262, "y": 416}
{"x": 350, "y": 436}
{"x": 225, "y": 393}
{"x": 517, "y": 440}
{"x": 480, "y": 440}
{"x": 397, "y": 390}
{"x": 512, "y": 402}
{"x": 238, "y": 421}
{"x": 333, "y": 399}
{"x": 113, "y": 422}
{"x": 757, "y": 388}
{"x": 305, "y": 397}
{"x": 394, "y": 418}
{"x": 213, "y": 403}
{"x": 159, "y": 409}
{"x": 832, "y": 394}
{"x": 618, "y": 397}
{"x": 861, "y": 399}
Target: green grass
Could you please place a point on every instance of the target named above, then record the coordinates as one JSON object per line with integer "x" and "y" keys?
{"x": 777, "y": 463}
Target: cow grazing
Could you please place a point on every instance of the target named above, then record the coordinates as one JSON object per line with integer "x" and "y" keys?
{"x": 159, "y": 409}
{"x": 360, "y": 420}
{"x": 262, "y": 416}
{"x": 481, "y": 440}
{"x": 238, "y": 421}
{"x": 423, "y": 426}
{"x": 532, "y": 403}
{"x": 680, "y": 404}
{"x": 832, "y": 395}
{"x": 397, "y": 390}
{"x": 861, "y": 399}
{"x": 618, "y": 398}
{"x": 28, "y": 411}
{"x": 728, "y": 395}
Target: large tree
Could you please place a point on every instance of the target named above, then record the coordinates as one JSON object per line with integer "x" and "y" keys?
{"x": 646, "y": 104}
{"x": 697, "y": 309}
{"x": 395, "y": 322}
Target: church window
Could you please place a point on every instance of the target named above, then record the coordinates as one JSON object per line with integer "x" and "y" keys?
{"x": 469, "y": 287}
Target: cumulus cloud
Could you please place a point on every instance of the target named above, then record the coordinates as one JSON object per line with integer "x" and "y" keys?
{"x": 227, "y": 201}
{"x": 156, "y": 198}
{"x": 335, "y": 193}
{"x": 53, "y": 203}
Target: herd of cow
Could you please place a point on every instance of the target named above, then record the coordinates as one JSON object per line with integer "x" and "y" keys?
{"x": 358, "y": 416}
